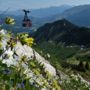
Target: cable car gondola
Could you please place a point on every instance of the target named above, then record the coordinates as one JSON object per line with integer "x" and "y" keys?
{"x": 26, "y": 21}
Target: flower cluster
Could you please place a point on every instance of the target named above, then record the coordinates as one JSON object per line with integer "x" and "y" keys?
{"x": 22, "y": 72}
{"x": 25, "y": 39}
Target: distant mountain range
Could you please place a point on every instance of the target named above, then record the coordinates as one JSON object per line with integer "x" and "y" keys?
{"x": 47, "y": 12}
{"x": 78, "y": 15}
{"x": 42, "y": 12}
{"x": 37, "y": 16}
{"x": 63, "y": 31}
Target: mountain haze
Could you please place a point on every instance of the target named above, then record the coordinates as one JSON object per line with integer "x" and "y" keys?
{"x": 79, "y": 15}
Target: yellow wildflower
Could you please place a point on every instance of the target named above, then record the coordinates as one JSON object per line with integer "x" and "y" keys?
{"x": 29, "y": 41}
{"x": 9, "y": 21}
{"x": 0, "y": 45}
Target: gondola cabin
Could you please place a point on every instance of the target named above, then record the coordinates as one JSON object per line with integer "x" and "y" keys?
{"x": 26, "y": 21}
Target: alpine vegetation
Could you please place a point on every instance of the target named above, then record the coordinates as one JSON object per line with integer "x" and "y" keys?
{"x": 22, "y": 68}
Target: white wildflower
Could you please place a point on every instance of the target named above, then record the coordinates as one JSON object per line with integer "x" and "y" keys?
{"x": 24, "y": 66}
{"x": 31, "y": 81}
{"x": 44, "y": 89}
{"x": 3, "y": 32}
{"x": 9, "y": 53}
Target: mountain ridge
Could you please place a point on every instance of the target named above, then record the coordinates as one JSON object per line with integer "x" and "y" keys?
{"x": 63, "y": 31}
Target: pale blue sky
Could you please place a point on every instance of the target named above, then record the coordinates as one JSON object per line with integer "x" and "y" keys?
{"x": 19, "y": 4}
